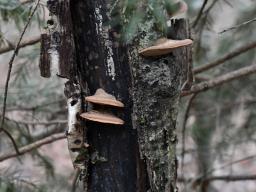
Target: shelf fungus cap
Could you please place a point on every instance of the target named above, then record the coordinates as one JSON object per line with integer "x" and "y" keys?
{"x": 164, "y": 46}
{"x": 103, "y": 98}
{"x": 102, "y": 117}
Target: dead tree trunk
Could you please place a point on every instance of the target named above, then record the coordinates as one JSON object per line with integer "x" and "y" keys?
{"x": 140, "y": 155}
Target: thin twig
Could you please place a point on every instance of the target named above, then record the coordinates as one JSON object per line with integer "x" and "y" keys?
{"x": 48, "y": 132}
{"x": 233, "y": 162}
{"x": 41, "y": 122}
{"x": 8, "y": 78}
{"x": 232, "y": 178}
{"x": 199, "y": 179}
{"x": 200, "y": 14}
{"x": 33, "y": 108}
{"x": 24, "y": 43}
{"x": 32, "y": 146}
{"x": 186, "y": 115}
{"x": 74, "y": 182}
{"x": 183, "y": 147}
{"x": 227, "y": 178}
{"x": 225, "y": 58}
{"x": 22, "y": 2}
{"x": 238, "y": 26}
{"x": 200, "y": 87}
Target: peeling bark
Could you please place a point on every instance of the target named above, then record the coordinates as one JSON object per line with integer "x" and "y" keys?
{"x": 61, "y": 52}
{"x": 58, "y": 57}
{"x": 45, "y": 62}
{"x": 77, "y": 145}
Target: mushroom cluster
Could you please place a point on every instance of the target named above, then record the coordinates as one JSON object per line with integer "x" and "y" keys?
{"x": 102, "y": 114}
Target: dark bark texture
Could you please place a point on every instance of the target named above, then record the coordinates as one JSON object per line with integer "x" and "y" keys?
{"x": 140, "y": 155}
{"x": 44, "y": 63}
{"x": 102, "y": 63}
{"x": 156, "y": 90}
{"x": 61, "y": 49}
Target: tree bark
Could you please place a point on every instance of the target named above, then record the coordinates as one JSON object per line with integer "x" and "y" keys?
{"x": 139, "y": 155}
{"x": 156, "y": 92}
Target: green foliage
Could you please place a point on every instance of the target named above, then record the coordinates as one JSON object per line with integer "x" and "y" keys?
{"x": 12, "y": 182}
{"x": 13, "y": 11}
{"x": 128, "y": 14}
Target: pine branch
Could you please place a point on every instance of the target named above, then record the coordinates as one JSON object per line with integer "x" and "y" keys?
{"x": 9, "y": 76}
{"x": 200, "y": 87}
{"x": 238, "y": 26}
{"x": 23, "y": 43}
{"x": 33, "y": 146}
{"x": 225, "y": 58}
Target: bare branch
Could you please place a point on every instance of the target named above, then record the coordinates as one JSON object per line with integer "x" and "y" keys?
{"x": 199, "y": 179}
{"x": 32, "y": 146}
{"x": 225, "y": 58}
{"x": 183, "y": 146}
{"x": 200, "y": 13}
{"x": 74, "y": 182}
{"x": 238, "y": 26}
{"x": 232, "y": 178}
{"x": 200, "y": 87}
{"x": 41, "y": 122}
{"x": 48, "y": 132}
{"x": 36, "y": 107}
{"x": 227, "y": 178}
{"x": 233, "y": 162}
{"x": 9, "y": 76}
{"x": 24, "y": 43}
{"x": 22, "y": 2}
{"x": 188, "y": 107}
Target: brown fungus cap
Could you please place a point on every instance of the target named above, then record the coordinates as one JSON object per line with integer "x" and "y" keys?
{"x": 103, "y": 98}
{"x": 102, "y": 117}
{"x": 164, "y": 46}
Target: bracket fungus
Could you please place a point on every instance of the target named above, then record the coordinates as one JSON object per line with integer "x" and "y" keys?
{"x": 102, "y": 117}
{"x": 103, "y": 98}
{"x": 164, "y": 46}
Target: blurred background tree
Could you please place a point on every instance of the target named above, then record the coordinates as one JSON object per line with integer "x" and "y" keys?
{"x": 216, "y": 128}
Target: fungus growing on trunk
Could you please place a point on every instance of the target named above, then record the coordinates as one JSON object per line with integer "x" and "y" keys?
{"x": 103, "y": 98}
{"x": 102, "y": 117}
{"x": 164, "y": 46}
